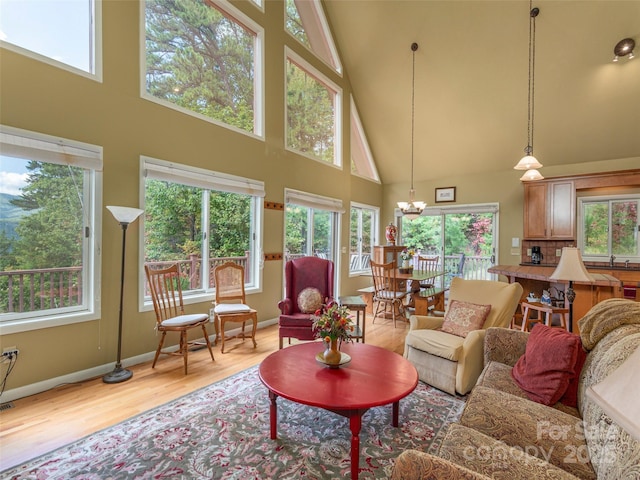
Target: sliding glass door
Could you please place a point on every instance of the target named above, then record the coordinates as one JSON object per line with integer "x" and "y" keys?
{"x": 462, "y": 237}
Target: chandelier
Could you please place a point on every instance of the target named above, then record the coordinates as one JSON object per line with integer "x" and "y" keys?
{"x": 412, "y": 209}
{"x": 529, "y": 162}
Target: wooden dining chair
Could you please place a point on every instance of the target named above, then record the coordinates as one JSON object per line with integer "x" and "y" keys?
{"x": 427, "y": 264}
{"x": 166, "y": 293}
{"x": 385, "y": 296}
{"x": 230, "y": 304}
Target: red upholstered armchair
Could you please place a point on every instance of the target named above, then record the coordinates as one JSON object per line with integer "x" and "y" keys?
{"x": 313, "y": 278}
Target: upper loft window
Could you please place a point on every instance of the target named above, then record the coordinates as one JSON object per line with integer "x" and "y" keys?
{"x": 362, "y": 163}
{"x": 313, "y": 112}
{"x": 205, "y": 58}
{"x": 64, "y": 34}
{"x": 305, "y": 20}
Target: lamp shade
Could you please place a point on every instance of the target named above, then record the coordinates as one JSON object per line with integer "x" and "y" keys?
{"x": 125, "y": 215}
{"x": 532, "y": 174}
{"x": 527, "y": 163}
{"x": 571, "y": 267}
{"x": 618, "y": 394}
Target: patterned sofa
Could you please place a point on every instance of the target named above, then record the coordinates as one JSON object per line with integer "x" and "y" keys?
{"x": 504, "y": 435}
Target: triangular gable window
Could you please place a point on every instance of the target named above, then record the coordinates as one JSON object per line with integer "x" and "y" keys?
{"x": 305, "y": 20}
{"x": 362, "y": 163}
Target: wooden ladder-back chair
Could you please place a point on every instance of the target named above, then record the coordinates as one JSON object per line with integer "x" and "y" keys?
{"x": 230, "y": 304}
{"x": 166, "y": 293}
{"x": 385, "y": 296}
{"x": 427, "y": 264}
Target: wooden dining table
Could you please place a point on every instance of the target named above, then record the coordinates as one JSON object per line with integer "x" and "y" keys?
{"x": 422, "y": 299}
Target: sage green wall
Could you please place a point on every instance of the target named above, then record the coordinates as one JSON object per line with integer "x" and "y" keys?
{"x": 45, "y": 99}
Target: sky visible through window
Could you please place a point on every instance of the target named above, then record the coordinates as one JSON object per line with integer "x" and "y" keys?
{"x": 13, "y": 175}
{"x": 58, "y": 29}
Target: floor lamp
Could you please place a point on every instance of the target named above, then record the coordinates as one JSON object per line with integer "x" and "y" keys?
{"x": 124, "y": 216}
{"x": 572, "y": 269}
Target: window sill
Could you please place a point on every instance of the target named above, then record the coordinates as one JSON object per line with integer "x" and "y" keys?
{"x": 38, "y": 323}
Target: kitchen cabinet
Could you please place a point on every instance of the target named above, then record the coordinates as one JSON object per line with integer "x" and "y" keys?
{"x": 549, "y": 210}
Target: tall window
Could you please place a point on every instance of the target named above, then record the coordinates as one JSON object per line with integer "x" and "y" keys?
{"x": 205, "y": 57}
{"x": 49, "y": 271}
{"x": 200, "y": 219}
{"x": 311, "y": 225}
{"x": 65, "y": 34}
{"x": 363, "y": 233}
{"x": 362, "y": 163}
{"x": 609, "y": 226}
{"x": 313, "y": 112}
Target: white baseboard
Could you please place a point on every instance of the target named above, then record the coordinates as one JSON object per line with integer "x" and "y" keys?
{"x": 82, "y": 375}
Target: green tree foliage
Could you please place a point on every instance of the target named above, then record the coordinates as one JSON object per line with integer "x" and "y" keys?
{"x": 173, "y": 221}
{"x": 50, "y": 235}
{"x": 468, "y": 233}
{"x": 624, "y": 218}
{"x": 200, "y": 60}
{"x": 230, "y": 222}
{"x": 296, "y": 228}
{"x": 310, "y": 114}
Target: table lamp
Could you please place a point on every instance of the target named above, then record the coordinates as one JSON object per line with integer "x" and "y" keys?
{"x": 124, "y": 216}
{"x": 572, "y": 269}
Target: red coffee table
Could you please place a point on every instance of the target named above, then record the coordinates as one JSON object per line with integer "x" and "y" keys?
{"x": 374, "y": 377}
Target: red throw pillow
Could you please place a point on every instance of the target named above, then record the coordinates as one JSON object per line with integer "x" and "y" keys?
{"x": 463, "y": 317}
{"x": 548, "y": 364}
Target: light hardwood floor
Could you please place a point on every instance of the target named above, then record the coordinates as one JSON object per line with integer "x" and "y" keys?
{"x": 46, "y": 421}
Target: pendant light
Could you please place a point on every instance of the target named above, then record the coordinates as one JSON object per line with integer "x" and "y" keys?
{"x": 412, "y": 209}
{"x": 529, "y": 162}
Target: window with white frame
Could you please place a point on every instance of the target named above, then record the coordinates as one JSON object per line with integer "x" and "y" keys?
{"x": 49, "y": 230}
{"x": 199, "y": 219}
{"x": 64, "y": 34}
{"x": 362, "y": 163}
{"x": 311, "y": 225}
{"x": 363, "y": 234}
{"x": 313, "y": 109}
{"x": 205, "y": 58}
{"x": 609, "y": 226}
{"x": 306, "y": 22}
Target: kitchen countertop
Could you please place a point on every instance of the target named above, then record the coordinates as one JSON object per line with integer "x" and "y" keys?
{"x": 543, "y": 272}
{"x": 601, "y": 266}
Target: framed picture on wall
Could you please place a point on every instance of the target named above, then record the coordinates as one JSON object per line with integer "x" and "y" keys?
{"x": 447, "y": 194}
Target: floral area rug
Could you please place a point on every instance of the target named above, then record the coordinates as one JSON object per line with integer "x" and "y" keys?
{"x": 222, "y": 432}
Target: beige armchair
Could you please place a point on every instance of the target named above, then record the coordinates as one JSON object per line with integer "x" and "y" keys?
{"x": 449, "y": 362}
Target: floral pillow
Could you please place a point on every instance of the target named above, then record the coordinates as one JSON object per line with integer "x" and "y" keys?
{"x": 309, "y": 300}
{"x": 463, "y": 317}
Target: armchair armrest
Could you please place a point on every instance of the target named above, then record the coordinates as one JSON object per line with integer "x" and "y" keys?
{"x": 504, "y": 345}
{"x": 421, "y": 322}
{"x": 286, "y": 306}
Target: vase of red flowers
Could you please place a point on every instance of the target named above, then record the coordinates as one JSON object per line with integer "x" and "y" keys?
{"x": 332, "y": 323}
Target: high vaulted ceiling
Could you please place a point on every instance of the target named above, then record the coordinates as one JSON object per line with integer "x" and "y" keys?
{"x": 471, "y": 82}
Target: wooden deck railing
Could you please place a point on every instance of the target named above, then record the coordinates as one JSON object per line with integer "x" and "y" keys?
{"x": 50, "y": 288}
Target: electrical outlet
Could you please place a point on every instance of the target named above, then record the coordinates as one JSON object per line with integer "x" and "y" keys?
{"x": 9, "y": 352}
{"x": 211, "y": 315}
{"x": 558, "y": 252}
{"x": 528, "y": 252}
